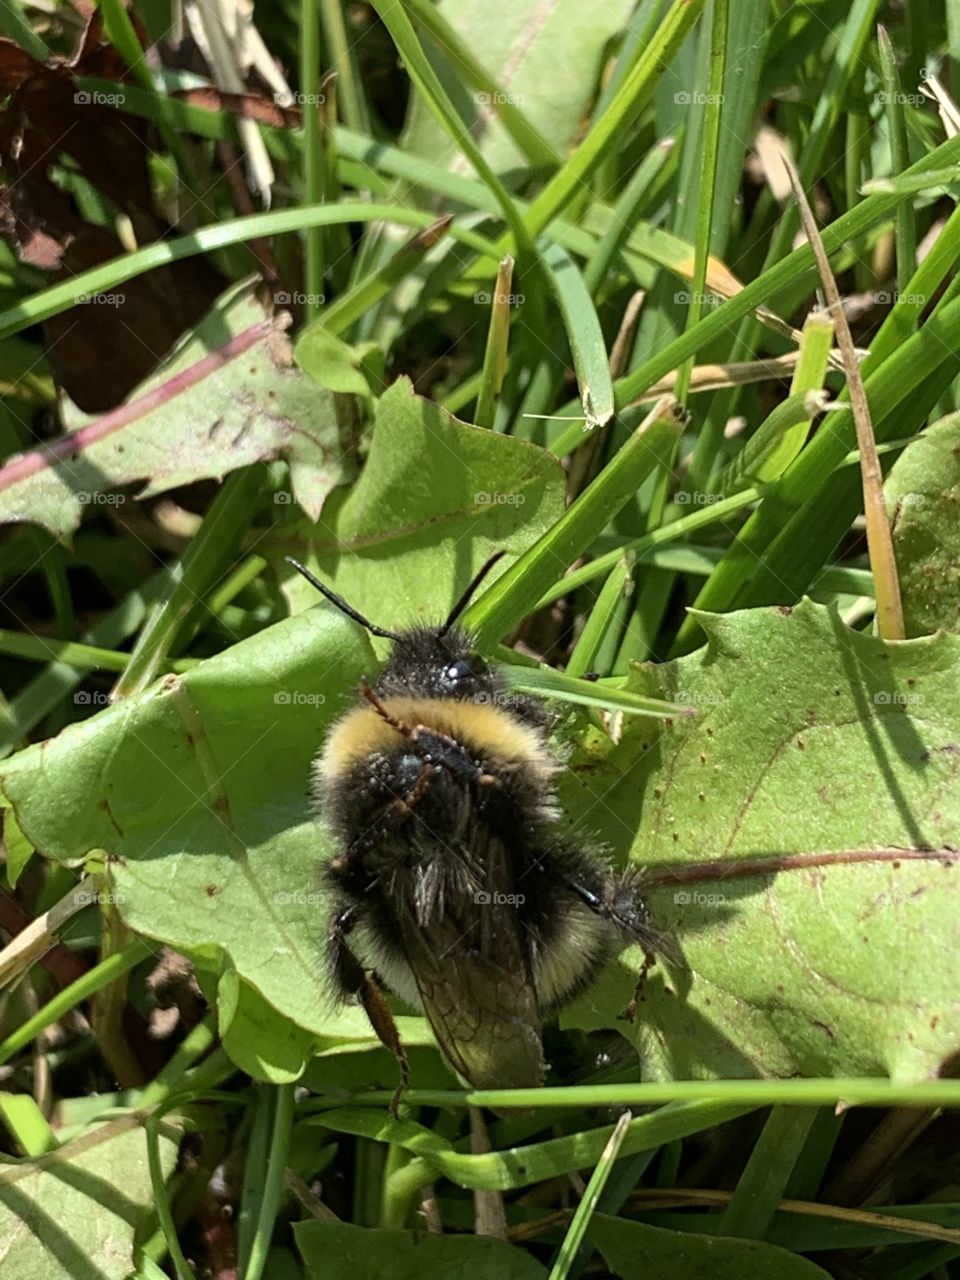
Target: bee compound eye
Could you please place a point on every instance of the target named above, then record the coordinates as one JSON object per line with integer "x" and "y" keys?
{"x": 459, "y": 670}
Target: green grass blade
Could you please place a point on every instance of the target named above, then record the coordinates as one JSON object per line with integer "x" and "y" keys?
{"x": 28, "y": 1127}
{"x": 15, "y": 25}
{"x": 313, "y": 193}
{"x": 495, "y": 355}
{"x": 906, "y": 225}
{"x": 202, "y": 565}
{"x": 853, "y": 1091}
{"x": 759, "y": 292}
{"x": 584, "y": 335}
{"x": 780, "y": 437}
{"x": 811, "y": 508}
{"x": 42, "y": 694}
{"x": 638, "y": 86}
{"x": 395, "y": 19}
{"x": 348, "y": 86}
{"x": 624, "y": 216}
{"x": 709, "y": 156}
{"x": 545, "y": 682}
{"x": 273, "y": 1182}
{"x": 707, "y": 514}
{"x": 94, "y": 980}
{"x": 341, "y": 315}
{"x": 763, "y": 1182}
{"x": 602, "y": 616}
{"x": 535, "y": 1162}
{"x": 588, "y": 1203}
{"x": 59, "y": 297}
{"x": 906, "y": 184}
{"x": 161, "y": 1198}
{"x": 516, "y": 592}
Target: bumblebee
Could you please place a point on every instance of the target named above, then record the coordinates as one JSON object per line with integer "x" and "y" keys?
{"x": 452, "y": 885}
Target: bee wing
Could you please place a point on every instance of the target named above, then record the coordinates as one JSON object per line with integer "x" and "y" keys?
{"x": 472, "y": 971}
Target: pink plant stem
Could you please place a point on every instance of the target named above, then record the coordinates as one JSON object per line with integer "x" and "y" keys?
{"x": 67, "y": 446}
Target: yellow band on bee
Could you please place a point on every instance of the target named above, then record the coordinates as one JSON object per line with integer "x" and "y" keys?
{"x": 485, "y": 729}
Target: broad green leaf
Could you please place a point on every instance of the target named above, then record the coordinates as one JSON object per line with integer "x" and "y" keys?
{"x": 435, "y": 499}
{"x": 331, "y": 362}
{"x": 19, "y": 848}
{"x": 197, "y": 789}
{"x": 923, "y": 500}
{"x": 262, "y": 1041}
{"x": 636, "y": 1251}
{"x": 255, "y": 406}
{"x": 72, "y": 1214}
{"x": 810, "y": 738}
{"x": 339, "y": 1251}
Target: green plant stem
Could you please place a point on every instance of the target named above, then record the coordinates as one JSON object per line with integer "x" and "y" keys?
{"x": 94, "y": 980}
{"x": 349, "y": 90}
{"x": 273, "y": 1181}
{"x": 199, "y": 1041}
{"x": 905, "y": 226}
{"x": 711, "y": 147}
{"x": 313, "y": 274}
{"x": 199, "y": 569}
{"x": 495, "y": 355}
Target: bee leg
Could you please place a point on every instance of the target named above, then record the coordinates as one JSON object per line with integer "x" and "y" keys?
{"x": 397, "y": 811}
{"x": 352, "y": 979}
{"x": 620, "y": 902}
{"x": 434, "y": 747}
{"x": 630, "y": 1012}
{"x": 448, "y": 754}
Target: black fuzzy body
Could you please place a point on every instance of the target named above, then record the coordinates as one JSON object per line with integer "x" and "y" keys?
{"x": 450, "y": 872}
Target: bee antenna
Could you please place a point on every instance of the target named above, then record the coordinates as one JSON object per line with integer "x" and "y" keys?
{"x": 464, "y": 600}
{"x": 340, "y": 602}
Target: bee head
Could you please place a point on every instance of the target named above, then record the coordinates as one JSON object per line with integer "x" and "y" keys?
{"x": 428, "y": 664}
{"x": 425, "y": 662}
